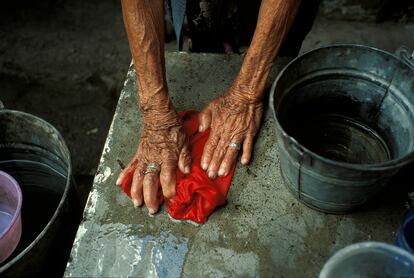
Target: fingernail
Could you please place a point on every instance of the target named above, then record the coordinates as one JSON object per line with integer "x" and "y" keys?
{"x": 244, "y": 161}
{"x": 118, "y": 181}
{"x": 187, "y": 170}
{"x": 204, "y": 165}
{"x": 211, "y": 175}
{"x": 200, "y": 128}
{"x": 136, "y": 203}
{"x": 221, "y": 172}
{"x": 152, "y": 211}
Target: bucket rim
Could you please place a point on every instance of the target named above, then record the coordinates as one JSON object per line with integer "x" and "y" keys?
{"x": 62, "y": 199}
{"x": 387, "y": 165}
{"x": 356, "y": 248}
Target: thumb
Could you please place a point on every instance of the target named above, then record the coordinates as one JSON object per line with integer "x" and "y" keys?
{"x": 204, "y": 119}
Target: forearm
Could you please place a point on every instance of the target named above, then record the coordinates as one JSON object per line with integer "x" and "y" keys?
{"x": 144, "y": 24}
{"x": 275, "y": 19}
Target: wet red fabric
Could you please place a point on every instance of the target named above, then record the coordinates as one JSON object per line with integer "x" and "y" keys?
{"x": 197, "y": 195}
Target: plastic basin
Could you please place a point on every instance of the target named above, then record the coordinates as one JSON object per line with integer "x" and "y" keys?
{"x": 10, "y": 220}
{"x": 369, "y": 259}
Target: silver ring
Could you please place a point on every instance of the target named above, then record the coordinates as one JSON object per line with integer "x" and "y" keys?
{"x": 234, "y": 145}
{"x": 152, "y": 168}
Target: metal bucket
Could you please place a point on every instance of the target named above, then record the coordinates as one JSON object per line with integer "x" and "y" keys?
{"x": 35, "y": 154}
{"x": 344, "y": 122}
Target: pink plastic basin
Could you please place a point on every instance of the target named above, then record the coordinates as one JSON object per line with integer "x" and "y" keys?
{"x": 10, "y": 220}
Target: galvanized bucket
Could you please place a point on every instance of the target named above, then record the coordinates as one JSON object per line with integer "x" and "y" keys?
{"x": 345, "y": 123}
{"x": 35, "y": 154}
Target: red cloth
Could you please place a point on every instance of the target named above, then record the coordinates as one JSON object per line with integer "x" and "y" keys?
{"x": 197, "y": 195}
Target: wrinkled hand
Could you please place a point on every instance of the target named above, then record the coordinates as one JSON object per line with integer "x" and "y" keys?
{"x": 233, "y": 119}
{"x": 165, "y": 142}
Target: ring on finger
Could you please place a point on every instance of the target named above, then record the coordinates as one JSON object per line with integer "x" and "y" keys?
{"x": 235, "y": 145}
{"x": 152, "y": 168}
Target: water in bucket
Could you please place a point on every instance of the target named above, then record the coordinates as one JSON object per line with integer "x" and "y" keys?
{"x": 42, "y": 188}
{"x": 42, "y": 181}
{"x": 340, "y": 138}
{"x": 5, "y": 219}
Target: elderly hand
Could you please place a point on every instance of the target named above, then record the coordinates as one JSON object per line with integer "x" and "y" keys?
{"x": 163, "y": 143}
{"x": 234, "y": 121}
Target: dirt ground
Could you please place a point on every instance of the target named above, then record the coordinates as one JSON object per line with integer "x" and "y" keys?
{"x": 65, "y": 61}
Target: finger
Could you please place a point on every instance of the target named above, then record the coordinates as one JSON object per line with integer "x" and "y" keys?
{"x": 126, "y": 171}
{"x": 150, "y": 189}
{"x": 184, "y": 160}
{"x": 217, "y": 158}
{"x": 136, "y": 188}
{"x": 168, "y": 181}
{"x": 205, "y": 119}
{"x": 228, "y": 160}
{"x": 247, "y": 149}
{"x": 208, "y": 150}
{"x": 122, "y": 176}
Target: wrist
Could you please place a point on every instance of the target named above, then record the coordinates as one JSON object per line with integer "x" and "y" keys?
{"x": 153, "y": 99}
{"x": 160, "y": 114}
{"x": 245, "y": 93}
{"x": 251, "y": 80}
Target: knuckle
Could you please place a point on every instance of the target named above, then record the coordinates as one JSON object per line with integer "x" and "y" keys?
{"x": 150, "y": 197}
{"x": 166, "y": 179}
{"x": 249, "y": 148}
{"x": 184, "y": 155}
{"x": 135, "y": 194}
{"x": 249, "y": 143}
{"x": 208, "y": 150}
{"x": 147, "y": 182}
{"x": 167, "y": 174}
{"x": 232, "y": 151}
{"x": 137, "y": 174}
{"x": 169, "y": 193}
{"x": 167, "y": 183}
{"x": 134, "y": 189}
{"x": 224, "y": 165}
{"x": 251, "y": 135}
{"x": 214, "y": 165}
{"x": 187, "y": 161}
{"x": 221, "y": 152}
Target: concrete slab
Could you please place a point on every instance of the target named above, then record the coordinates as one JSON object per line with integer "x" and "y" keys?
{"x": 262, "y": 231}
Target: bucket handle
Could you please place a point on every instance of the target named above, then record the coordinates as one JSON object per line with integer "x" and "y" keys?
{"x": 299, "y": 151}
{"x": 404, "y": 54}
{"x": 295, "y": 146}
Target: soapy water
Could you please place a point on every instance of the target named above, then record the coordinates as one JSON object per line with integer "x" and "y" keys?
{"x": 5, "y": 220}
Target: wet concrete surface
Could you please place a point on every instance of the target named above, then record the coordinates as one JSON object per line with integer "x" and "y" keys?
{"x": 262, "y": 231}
